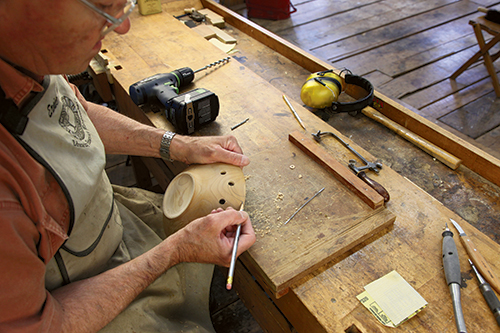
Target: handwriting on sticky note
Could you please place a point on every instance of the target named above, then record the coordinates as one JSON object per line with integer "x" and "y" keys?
{"x": 391, "y": 299}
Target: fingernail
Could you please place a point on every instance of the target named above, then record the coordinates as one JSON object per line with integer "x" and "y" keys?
{"x": 244, "y": 160}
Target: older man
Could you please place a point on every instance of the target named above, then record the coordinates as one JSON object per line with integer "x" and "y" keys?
{"x": 74, "y": 254}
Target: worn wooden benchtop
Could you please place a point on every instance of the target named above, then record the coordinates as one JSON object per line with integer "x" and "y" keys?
{"x": 324, "y": 300}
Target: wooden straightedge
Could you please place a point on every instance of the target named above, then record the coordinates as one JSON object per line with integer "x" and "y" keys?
{"x": 341, "y": 172}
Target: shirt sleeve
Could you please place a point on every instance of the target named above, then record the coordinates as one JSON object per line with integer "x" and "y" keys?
{"x": 25, "y": 305}
{"x": 29, "y": 235}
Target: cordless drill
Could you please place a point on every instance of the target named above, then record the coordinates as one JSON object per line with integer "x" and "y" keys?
{"x": 186, "y": 111}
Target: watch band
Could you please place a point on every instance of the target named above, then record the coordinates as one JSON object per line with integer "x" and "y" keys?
{"x": 166, "y": 139}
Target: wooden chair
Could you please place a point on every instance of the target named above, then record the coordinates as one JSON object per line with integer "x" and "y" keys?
{"x": 479, "y": 24}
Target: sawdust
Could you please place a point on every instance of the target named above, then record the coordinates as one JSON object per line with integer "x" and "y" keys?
{"x": 267, "y": 223}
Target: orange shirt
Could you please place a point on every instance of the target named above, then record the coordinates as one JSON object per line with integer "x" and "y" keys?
{"x": 34, "y": 219}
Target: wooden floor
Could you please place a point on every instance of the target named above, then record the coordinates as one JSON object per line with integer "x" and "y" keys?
{"x": 408, "y": 50}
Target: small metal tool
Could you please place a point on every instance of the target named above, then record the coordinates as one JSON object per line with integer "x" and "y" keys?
{"x": 215, "y": 63}
{"x": 359, "y": 170}
{"x": 451, "y": 266}
{"x": 239, "y": 124}
{"x": 305, "y": 203}
{"x": 488, "y": 293}
{"x": 352, "y": 163}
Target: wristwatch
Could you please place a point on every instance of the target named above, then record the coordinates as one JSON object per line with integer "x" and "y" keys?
{"x": 165, "y": 145}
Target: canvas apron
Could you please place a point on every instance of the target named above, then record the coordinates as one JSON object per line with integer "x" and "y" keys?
{"x": 60, "y": 135}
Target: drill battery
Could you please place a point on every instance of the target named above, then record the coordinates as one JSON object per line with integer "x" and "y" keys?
{"x": 190, "y": 110}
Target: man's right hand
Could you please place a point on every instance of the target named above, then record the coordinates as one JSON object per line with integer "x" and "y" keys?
{"x": 210, "y": 239}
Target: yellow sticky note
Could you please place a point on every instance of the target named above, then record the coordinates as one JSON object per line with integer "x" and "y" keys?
{"x": 391, "y": 299}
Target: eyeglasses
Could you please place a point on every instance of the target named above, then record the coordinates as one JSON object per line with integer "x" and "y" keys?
{"x": 116, "y": 16}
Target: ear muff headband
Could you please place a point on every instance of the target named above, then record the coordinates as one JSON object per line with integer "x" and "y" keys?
{"x": 359, "y": 104}
{"x": 329, "y": 79}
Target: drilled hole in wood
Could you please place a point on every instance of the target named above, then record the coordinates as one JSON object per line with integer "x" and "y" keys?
{"x": 352, "y": 329}
{"x": 231, "y": 183}
{"x": 222, "y": 201}
{"x": 118, "y": 67}
{"x": 223, "y": 173}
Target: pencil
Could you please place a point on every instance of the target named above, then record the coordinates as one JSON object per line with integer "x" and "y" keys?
{"x": 294, "y": 112}
{"x": 229, "y": 283}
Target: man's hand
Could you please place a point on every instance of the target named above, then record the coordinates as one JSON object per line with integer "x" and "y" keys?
{"x": 206, "y": 150}
{"x": 210, "y": 239}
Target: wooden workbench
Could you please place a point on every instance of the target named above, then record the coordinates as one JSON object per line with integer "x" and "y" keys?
{"x": 325, "y": 300}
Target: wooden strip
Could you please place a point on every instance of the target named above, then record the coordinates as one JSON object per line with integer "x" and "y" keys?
{"x": 472, "y": 157}
{"x": 205, "y": 31}
{"x": 440, "y": 154}
{"x": 213, "y": 18}
{"x": 342, "y": 173}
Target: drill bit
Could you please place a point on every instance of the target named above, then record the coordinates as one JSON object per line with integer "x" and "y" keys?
{"x": 215, "y": 63}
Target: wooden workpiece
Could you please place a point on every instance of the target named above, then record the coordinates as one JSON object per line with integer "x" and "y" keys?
{"x": 323, "y": 300}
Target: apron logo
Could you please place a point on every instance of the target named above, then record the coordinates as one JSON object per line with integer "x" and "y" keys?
{"x": 72, "y": 121}
{"x": 52, "y": 107}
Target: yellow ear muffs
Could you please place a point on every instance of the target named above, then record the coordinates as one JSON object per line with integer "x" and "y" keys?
{"x": 321, "y": 89}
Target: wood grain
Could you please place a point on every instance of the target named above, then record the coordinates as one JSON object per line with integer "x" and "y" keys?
{"x": 341, "y": 172}
{"x": 445, "y": 157}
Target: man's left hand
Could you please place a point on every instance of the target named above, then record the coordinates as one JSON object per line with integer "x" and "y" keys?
{"x": 208, "y": 149}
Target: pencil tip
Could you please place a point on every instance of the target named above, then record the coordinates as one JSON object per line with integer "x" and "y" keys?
{"x": 229, "y": 286}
